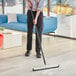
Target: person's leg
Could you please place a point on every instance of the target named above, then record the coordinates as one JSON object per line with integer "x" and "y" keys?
{"x": 39, "y": 28}
{"x": 29, "y": 32}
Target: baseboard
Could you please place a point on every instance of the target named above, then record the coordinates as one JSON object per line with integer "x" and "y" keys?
{"x": 60, "y": 36}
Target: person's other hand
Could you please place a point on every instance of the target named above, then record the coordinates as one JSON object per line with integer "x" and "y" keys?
{"x": 35, "y": 21}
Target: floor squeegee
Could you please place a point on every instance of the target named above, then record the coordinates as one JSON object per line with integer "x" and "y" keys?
{"x": 45, "y": 65}
{"x": 42, "y": 53}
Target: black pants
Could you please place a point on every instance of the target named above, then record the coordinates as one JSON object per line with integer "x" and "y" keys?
{"x": 30, "y": 30}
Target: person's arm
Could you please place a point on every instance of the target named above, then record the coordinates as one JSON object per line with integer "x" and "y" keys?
{"x": 26, "y": 0}
{"x": 39, "y": 9}
{"x": 29, "y": 4}
{"x": 37, "y": 14}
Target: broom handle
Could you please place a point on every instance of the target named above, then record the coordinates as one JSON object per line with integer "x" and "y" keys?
{"x": 40, "y": 46}
{"x": 39, "y": 41}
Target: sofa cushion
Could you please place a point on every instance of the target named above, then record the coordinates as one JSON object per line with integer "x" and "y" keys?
{"x": 21, "y": 18}
{"x": 3, "y": 19}
{"x": 15, "y": 26}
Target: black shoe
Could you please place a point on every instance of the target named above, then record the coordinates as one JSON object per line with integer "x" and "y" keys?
{"x": 38, "y": 55}
{"x": 27, "y": 53}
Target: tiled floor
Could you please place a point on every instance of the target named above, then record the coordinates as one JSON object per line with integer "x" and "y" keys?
{"x": 57, "y": 51}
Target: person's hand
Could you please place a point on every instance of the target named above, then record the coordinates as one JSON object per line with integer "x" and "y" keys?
{"x": 35, "y": 21}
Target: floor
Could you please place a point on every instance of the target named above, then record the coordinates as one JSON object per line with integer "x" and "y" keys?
{"x": 58, "y": 51}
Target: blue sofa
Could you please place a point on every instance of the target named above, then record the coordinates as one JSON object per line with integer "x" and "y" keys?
{"x": 49, "y": 24}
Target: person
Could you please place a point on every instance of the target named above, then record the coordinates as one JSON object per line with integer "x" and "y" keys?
{"x": 36, "y": 7}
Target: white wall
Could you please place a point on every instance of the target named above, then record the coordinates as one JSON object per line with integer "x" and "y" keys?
{"x": 67, "y": 26}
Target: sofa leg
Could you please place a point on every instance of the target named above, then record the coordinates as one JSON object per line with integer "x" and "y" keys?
{"x": 54, "y": 34}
